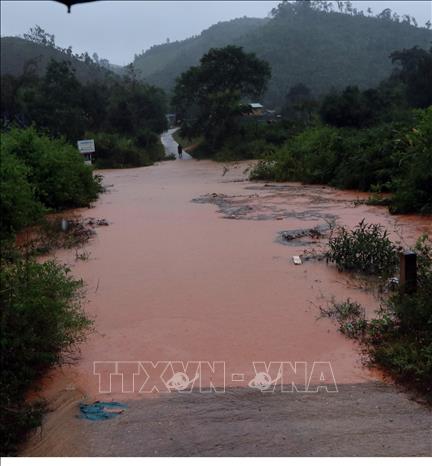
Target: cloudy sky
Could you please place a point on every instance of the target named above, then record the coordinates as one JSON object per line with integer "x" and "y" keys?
{"x": 118, "y": 29}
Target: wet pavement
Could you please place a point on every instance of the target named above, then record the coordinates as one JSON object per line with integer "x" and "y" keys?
{"x": 171, "y": 145}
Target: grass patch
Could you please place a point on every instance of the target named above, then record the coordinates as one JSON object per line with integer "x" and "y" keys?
{"x": 349, "y": 315}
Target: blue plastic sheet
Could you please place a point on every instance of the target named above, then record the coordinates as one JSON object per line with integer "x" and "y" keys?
{"x": 101, "y": 410}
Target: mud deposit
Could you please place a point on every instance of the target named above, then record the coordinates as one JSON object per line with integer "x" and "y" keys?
{"x": 173, "y": 280}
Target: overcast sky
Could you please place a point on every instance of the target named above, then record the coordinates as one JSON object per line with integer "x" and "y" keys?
{"x": 118, "y": 29}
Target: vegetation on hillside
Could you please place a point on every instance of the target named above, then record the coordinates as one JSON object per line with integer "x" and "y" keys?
{"x": 161, "y": 64}
{"x": 37, "y": 48}
{"x": 304, "y": 42}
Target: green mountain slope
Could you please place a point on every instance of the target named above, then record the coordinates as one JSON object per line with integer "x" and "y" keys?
{"x": 16, "y": 52}
{"x": 162, "y": 63}
{"x": 321, "y": 49}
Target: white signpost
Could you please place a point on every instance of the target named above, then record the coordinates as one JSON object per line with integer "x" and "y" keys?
{"x": 87, "y": 148}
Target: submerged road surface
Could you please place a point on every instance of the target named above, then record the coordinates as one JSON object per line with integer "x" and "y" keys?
{"x": 192, "y": 286}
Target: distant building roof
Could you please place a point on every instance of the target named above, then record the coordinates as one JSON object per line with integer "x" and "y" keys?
{"x": 256, "y": 105}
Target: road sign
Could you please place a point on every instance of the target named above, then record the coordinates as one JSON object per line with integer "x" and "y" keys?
{"x": 86, "y": 146}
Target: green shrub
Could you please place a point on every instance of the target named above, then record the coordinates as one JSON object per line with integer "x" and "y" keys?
{"x": 366, "y": 249}
{"x": 41, "y": 322}
{"x": 315, "y": 152}
{"x": 263, "y": 170}
{"x": 310, "y": 156}
{"x": 399, "y": 338}
{"x": 366, "y": 158}
{"x": 116, "y": 151}
{"x": 236, "y": 148}
{"x": 18, "y": 207}
{"x": 55, "y": 169}
{"x": 391, "y": 157}
{"x": 413, "y": 185}
{"x": 146, "y": 138}
{"x": 349, "y": 315}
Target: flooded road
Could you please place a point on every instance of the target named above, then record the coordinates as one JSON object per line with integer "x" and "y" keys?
{"x": 190, "y": 269}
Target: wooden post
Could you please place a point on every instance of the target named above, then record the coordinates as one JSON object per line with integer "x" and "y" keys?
{"x": 408, "y": 272}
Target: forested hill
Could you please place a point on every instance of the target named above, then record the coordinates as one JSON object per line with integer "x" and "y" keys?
{"x": 161, "y": 63}
{"x": 18, "y": 53}
{"x": 307, "y": 44}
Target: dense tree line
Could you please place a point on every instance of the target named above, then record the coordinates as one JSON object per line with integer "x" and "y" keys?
{"x": 59, "y": 104}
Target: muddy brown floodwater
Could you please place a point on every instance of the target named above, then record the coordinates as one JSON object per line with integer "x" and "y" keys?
{"x": 191, "y": 268}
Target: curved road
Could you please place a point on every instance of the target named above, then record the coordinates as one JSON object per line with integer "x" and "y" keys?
{"x": 170, "y": 144}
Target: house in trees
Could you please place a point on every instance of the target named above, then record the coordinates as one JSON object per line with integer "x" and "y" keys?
{"x": 256, "y": 109}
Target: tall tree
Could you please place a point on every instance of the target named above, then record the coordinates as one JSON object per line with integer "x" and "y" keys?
{"x": 416, "y": 73}
{"x": 298, "y": 103}
{"x": 208, "y": 96}
{"x": 55, "y": 104}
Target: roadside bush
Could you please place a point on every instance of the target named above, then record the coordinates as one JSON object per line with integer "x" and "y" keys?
{"x": 311, "y": 156}
{"x": 41, "y": 322}
{"x": 245, "y": 150}
{"x": 116, "y": 151}
{"x": 146, "y": 138}
{"x": 236, "y": 148}
{"x": 399, "y": 338}
{"x": 151, "y": 143}
{"x": 392, "y": 157}
{"x": 413, "y": 185}
{"x": 280, "y": 166}
{"x": 263, "y": 170}
{"x": 367, "y": 248}
{"x": 55, "y": 169}
{"x": 316, "y": 153}
{"x": 18, "y": 207}
{"x": 349, "y": 315}
{"x": 367, "y": 158}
